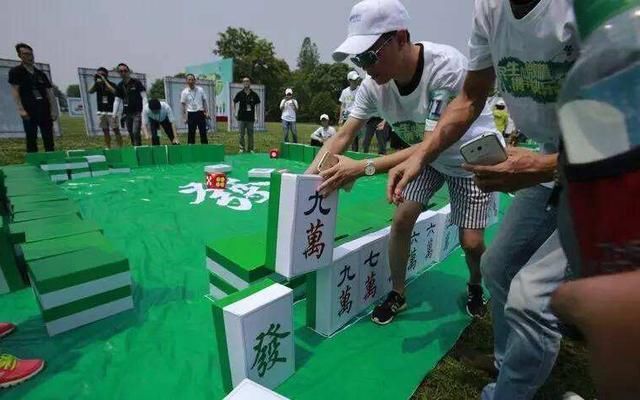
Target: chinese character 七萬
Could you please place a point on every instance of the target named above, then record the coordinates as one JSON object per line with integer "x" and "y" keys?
{"x": 373, "y": 259}
{"x": 314, "y": 237}
{"x": 267, "y": 355}
{"x": 370, "y": 286}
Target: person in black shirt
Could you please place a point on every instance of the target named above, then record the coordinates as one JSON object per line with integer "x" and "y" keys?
{"x": 244, "y": 108}
{"x": 105, "y": 91}
{"x": 132, "y": 93}
{"x": 36, "y": 103}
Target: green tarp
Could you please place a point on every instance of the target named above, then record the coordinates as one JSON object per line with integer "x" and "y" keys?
{"x": 166, "y": 348}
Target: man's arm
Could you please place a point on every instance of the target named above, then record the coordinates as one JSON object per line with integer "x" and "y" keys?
{"x": 15, "y": 91}
{"x": 204, "y": 103}
{"x": 459, "y": 115}
{"x": 339, "y": 142}
{"x": 109, "y": 86}
{"x": 93, "y": 87}
{"x": 454, "y": 123}
{"x": 53, "y": 104}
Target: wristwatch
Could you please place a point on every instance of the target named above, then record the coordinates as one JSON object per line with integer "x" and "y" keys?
{"x": 369, "y": 168}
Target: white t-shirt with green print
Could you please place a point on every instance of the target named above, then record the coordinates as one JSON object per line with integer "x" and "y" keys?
{"x": 531, "y": 57}
{"x": 419, "y": 111}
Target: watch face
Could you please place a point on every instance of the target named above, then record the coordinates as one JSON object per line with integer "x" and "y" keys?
{"x": 369, "y": 170}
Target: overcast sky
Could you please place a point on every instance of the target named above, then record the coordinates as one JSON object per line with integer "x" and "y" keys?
{"x": 161, "y": 37}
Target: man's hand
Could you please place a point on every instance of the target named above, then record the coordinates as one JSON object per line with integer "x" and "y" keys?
{"x": 23, "y": 114}
{"x": 345, "y": 171}
{"x": 401, "y": 175}
{"x": 522, "y": 169}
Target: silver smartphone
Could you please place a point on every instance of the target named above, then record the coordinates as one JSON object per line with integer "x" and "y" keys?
{"x": 484, "y": 150}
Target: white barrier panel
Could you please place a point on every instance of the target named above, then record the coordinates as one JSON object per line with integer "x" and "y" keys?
{"x": 86, "y": 80}
{"x": 172, "y": 90}
{"x": 76, "y": 108}
{"x": 260, "y": 124}
{"x": 10, "y": 122}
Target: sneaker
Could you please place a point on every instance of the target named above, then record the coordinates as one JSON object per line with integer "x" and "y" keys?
{"x": 384, "y": 313}
{"x": 6, "y": 328}
{"x": 241, "y": 151}
{"x": 476, "y": 303}
{"x": 14, "y": 371}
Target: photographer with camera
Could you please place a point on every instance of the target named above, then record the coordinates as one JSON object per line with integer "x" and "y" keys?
{"x": 105, "y": 91}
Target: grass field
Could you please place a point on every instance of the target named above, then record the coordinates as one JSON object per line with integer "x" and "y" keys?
{"x": 451, "y": 379}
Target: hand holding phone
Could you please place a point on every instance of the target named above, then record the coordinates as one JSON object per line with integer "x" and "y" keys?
{"x": 486, "y": 149}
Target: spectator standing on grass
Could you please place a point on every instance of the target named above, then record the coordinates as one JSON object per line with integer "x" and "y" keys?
{"x": 159, "y": 114}
{"x": 33, "y": 93}
{"x": 105, "y": 91}
{"x": 132, "y": 94}
{"x": 324, "y": 132}
{"x": 378, "y": 127}
{"x": 244, "y": 108}
{"x": 289, "y": 108}
{"x": 347, "y": 100}
{"x": 194, "y": 110}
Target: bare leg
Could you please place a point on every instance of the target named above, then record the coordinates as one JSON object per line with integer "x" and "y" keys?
{"x": 400, "y": 241}
{"x": 472, "y": 242}
{"x": 107, "y": 138}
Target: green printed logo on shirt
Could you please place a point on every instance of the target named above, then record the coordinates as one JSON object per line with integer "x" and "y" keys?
{"x": 410, "y": 132}
{"x": 539, "y": 80}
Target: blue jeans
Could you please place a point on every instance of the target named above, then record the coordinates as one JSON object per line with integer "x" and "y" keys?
{"x": 523, "y": 266}
{"x": 289, "y": 126}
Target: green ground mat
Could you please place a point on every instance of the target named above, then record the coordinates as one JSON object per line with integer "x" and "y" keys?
{"x": 166, "y": 348}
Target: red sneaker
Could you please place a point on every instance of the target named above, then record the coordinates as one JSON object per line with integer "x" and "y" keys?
{"x": 14, "y": 371}
{"x": 6, "y": 328}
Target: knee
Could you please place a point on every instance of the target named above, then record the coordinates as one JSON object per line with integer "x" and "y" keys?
{"x": 472, "y": 246}
{"x": 403, "y": 222}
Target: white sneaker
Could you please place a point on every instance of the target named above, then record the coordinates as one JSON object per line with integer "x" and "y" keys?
{"x": 241, "y": 151}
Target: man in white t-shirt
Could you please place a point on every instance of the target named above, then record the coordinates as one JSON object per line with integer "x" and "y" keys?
{"x": 289, "y": 108}
{"x": 156, "y": 114}
{"x": 194, "y": 110}
{"x": 347, "y": 100}
{"x": 323, "y": 133}
{"x": 530, "y": 47}
{"x": 409, "y": 84}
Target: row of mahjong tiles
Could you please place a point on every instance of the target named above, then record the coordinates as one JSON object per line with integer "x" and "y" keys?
{"x": 157, "y": 219}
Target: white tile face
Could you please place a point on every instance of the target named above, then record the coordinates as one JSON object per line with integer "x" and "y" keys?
{"x": 260, "y": 337}
{"x": 375, "y": 279}
{"x": 306, "y": 236}
{"x": 249, "y": 390}
{"x": 337, "y": 293}
{"x": 260, "y": 172}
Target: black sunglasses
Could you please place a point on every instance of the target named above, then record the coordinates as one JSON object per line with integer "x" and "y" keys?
{"x": 123, "y": 71}
{"x": 370, "y": 57}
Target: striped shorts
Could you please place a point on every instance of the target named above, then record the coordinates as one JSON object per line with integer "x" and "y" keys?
{"x": 469, "y": 205}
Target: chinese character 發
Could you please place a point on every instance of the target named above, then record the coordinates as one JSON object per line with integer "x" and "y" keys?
{"x": 314, "y": 244}
{"x": 317, "y": 202}
{"x": 267, "y": 355}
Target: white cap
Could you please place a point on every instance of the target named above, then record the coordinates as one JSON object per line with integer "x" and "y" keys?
{"x": 368, "y": 20}
{"x": 288, "y": 91}
{"x": 353, "y": 76}
{"x": 324, "y": 116}
{"x": 500, "y": 102}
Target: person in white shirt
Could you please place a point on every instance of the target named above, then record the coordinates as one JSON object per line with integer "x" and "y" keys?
{"x": 409, "y": 85}
{"x": 529, "y": 46}
{"x": 289, "y": 108}
{"x": 347, "y": 100}
{"x": 195, "y": 110}
{"x": 323, "y": 133}
{"x": 158, "y": 114}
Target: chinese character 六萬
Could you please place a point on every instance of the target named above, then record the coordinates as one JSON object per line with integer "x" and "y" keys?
{"x": 413, "y": 262}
